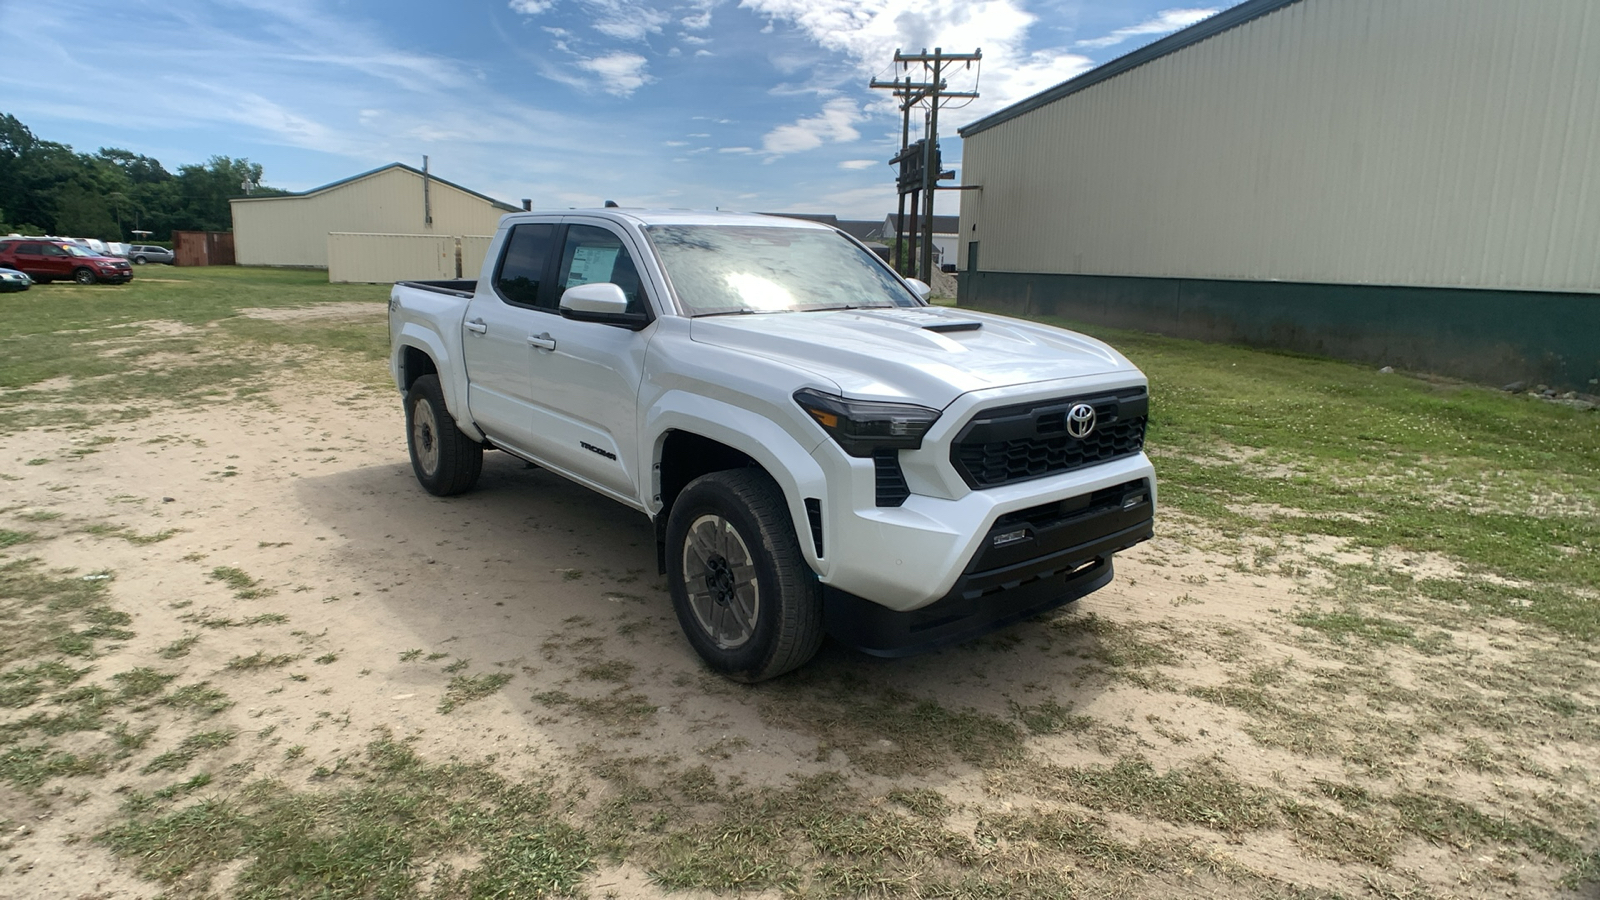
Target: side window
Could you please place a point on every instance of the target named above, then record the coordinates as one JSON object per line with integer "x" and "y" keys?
{"x": 595, "y": 255}
{"x": 52, "y": 250}
{"x": 5, "y": 247}
{"x": 28, "y": 250}
{"x": 522, "y": 267}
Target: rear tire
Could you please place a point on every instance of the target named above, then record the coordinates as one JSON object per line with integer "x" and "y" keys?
{"x": 83, "y": 276}
{"x": 139, "y": 260}
{"x": 445, "y": 461}
{"x": 745, "y": 597}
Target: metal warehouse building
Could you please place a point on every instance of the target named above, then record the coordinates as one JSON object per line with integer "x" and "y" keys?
{"x": 396, "y": 199}
{"x": 1407, "y": 182}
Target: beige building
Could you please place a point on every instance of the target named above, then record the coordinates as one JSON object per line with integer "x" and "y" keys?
{"x": 293, "y": 230}
{"x": 1410, "y": 182}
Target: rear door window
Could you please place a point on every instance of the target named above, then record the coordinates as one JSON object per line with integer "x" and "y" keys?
{"x": 522, "y": 276}
{"x": 28, "y": 250}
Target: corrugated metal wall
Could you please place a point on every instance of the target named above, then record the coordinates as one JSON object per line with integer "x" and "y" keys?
{"x": 1401, "y": 142}
{"x": 386, "y": 258}
{"x": 293, "y": 231}
{"x": 474, "y": 247}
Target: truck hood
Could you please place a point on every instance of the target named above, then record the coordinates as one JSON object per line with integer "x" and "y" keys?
{"x": 928, "y": 355}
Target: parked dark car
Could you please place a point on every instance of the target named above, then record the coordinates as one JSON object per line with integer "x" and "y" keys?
{"x": 12, "y": 281}
{"x": 47, "y": 260}
{"x": 146, "y": 253}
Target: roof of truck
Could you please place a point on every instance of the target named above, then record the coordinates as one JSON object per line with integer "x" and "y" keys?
{"x": 685, "y": 217}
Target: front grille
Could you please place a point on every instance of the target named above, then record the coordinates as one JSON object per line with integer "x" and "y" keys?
{"x": 891, "y": 482}
{"x": 1016, "y": 443}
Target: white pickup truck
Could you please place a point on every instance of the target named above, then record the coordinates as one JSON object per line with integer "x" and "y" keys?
{"x": 820, "y": 450}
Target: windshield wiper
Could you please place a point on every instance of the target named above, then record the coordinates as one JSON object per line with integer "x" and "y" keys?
{"x": 742, "y": 311}
{"x": 848, "y": 306}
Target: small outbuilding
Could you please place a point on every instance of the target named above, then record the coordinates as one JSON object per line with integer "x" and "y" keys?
{"x": 293, "y": 229}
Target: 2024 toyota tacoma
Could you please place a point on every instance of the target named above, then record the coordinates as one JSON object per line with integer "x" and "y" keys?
{"x": 820, "y": 450}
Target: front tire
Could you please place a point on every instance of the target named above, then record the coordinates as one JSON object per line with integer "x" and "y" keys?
{"x": 83, "y": 276}
{"x": 139, "y": 260}
{"x": 747, "y": 601}
{"x": 445, "y": 461}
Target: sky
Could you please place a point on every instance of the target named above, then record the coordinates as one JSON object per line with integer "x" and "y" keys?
{"x": 758, "y": 105}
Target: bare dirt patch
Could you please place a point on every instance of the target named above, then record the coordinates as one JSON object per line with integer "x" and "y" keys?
{"x": 347, "y": 310}
{"x": 1217, "y": 722}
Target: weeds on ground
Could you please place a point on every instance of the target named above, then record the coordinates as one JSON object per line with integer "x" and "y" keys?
{"x": 392, "y": 821}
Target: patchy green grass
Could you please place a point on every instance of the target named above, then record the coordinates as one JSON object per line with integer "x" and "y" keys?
{"x": 886, "y": 731}
{"x": 392, "y": 820}
{"x": 128, "y": 534}
{"x": 178, "y": 758}
{"x": 244, "y": 587}
{"x": 621, "y": 709}
{"x": 464, "y": 689}
{"x": 260, "y": 659}
{"x": 13, "y": 538}
{"x": 92, "y": 337}
{"x": 1288, "y": 445}
{"x": 43, "y": 612}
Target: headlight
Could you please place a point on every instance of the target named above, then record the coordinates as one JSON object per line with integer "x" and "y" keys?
{"x": 861, "y": 426}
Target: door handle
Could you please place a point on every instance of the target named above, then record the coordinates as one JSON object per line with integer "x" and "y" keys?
{"x": 477, "y": 326}
{"x": 542, "y": 341}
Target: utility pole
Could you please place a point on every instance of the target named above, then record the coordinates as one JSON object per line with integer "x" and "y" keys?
{"x": 928, "y": 166}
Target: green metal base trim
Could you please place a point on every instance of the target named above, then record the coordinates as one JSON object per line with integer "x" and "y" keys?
{"x": 1489, "y": 336}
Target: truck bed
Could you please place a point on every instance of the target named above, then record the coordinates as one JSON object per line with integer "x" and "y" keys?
{"x": 460, "y": 287}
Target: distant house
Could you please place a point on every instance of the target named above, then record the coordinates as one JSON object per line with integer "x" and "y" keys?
{"x": 292, "y": 230}
{"x": 946, "y": 235}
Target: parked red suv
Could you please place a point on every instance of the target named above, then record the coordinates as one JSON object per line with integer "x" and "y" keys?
{"x": 46, "y": 260}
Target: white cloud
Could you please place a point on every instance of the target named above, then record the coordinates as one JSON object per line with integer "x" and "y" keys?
{"x": 832, "y": 125}
{"x": 677, "y": 143}
{"x": 700, "y": 53}
{"x": 867, "y": 32}
{"x": 531, "y": 7}
{"x": 627, "y": 22}
{"x": 858, "y": 164}
{"x": 700, "y": 20}
{"x": 620, "y": 73}
{"x": 1164, "y": 22}
{"x": 736, "y": 150}
{"x": 850, "y": 203}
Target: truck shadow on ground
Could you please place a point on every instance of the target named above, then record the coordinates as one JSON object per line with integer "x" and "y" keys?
{"x": 549, "y": 580}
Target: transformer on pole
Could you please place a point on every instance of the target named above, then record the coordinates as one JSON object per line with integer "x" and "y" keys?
{"x": 919, "y": 167}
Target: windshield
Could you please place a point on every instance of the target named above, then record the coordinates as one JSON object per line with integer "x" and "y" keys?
{"x": 723, "y": 269}
{"x": 76, "y": 250}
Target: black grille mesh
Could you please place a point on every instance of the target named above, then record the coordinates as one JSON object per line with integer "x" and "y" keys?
{"x": 991, "y": 463}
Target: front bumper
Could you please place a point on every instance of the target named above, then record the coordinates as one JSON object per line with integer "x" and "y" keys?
{"x": 1027, "y": 563}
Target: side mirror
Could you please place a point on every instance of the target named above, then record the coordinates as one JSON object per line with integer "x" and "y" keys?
{"x": 920, "y": 286}
{"x": 601, "y": 302}
{"x": 603, "y": 298}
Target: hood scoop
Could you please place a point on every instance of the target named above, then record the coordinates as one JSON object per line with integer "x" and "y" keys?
{"x": 958, "y": 325}
{"x": 927, "y": 320}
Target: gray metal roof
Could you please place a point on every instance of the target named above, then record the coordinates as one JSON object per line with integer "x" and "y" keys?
{"x": 1194, "y": 34}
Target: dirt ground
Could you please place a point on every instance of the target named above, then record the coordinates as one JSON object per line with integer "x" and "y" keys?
{"x": 384, "y": 594}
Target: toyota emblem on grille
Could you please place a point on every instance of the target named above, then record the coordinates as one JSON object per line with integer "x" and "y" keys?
{"x": 1080, "y": 421}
